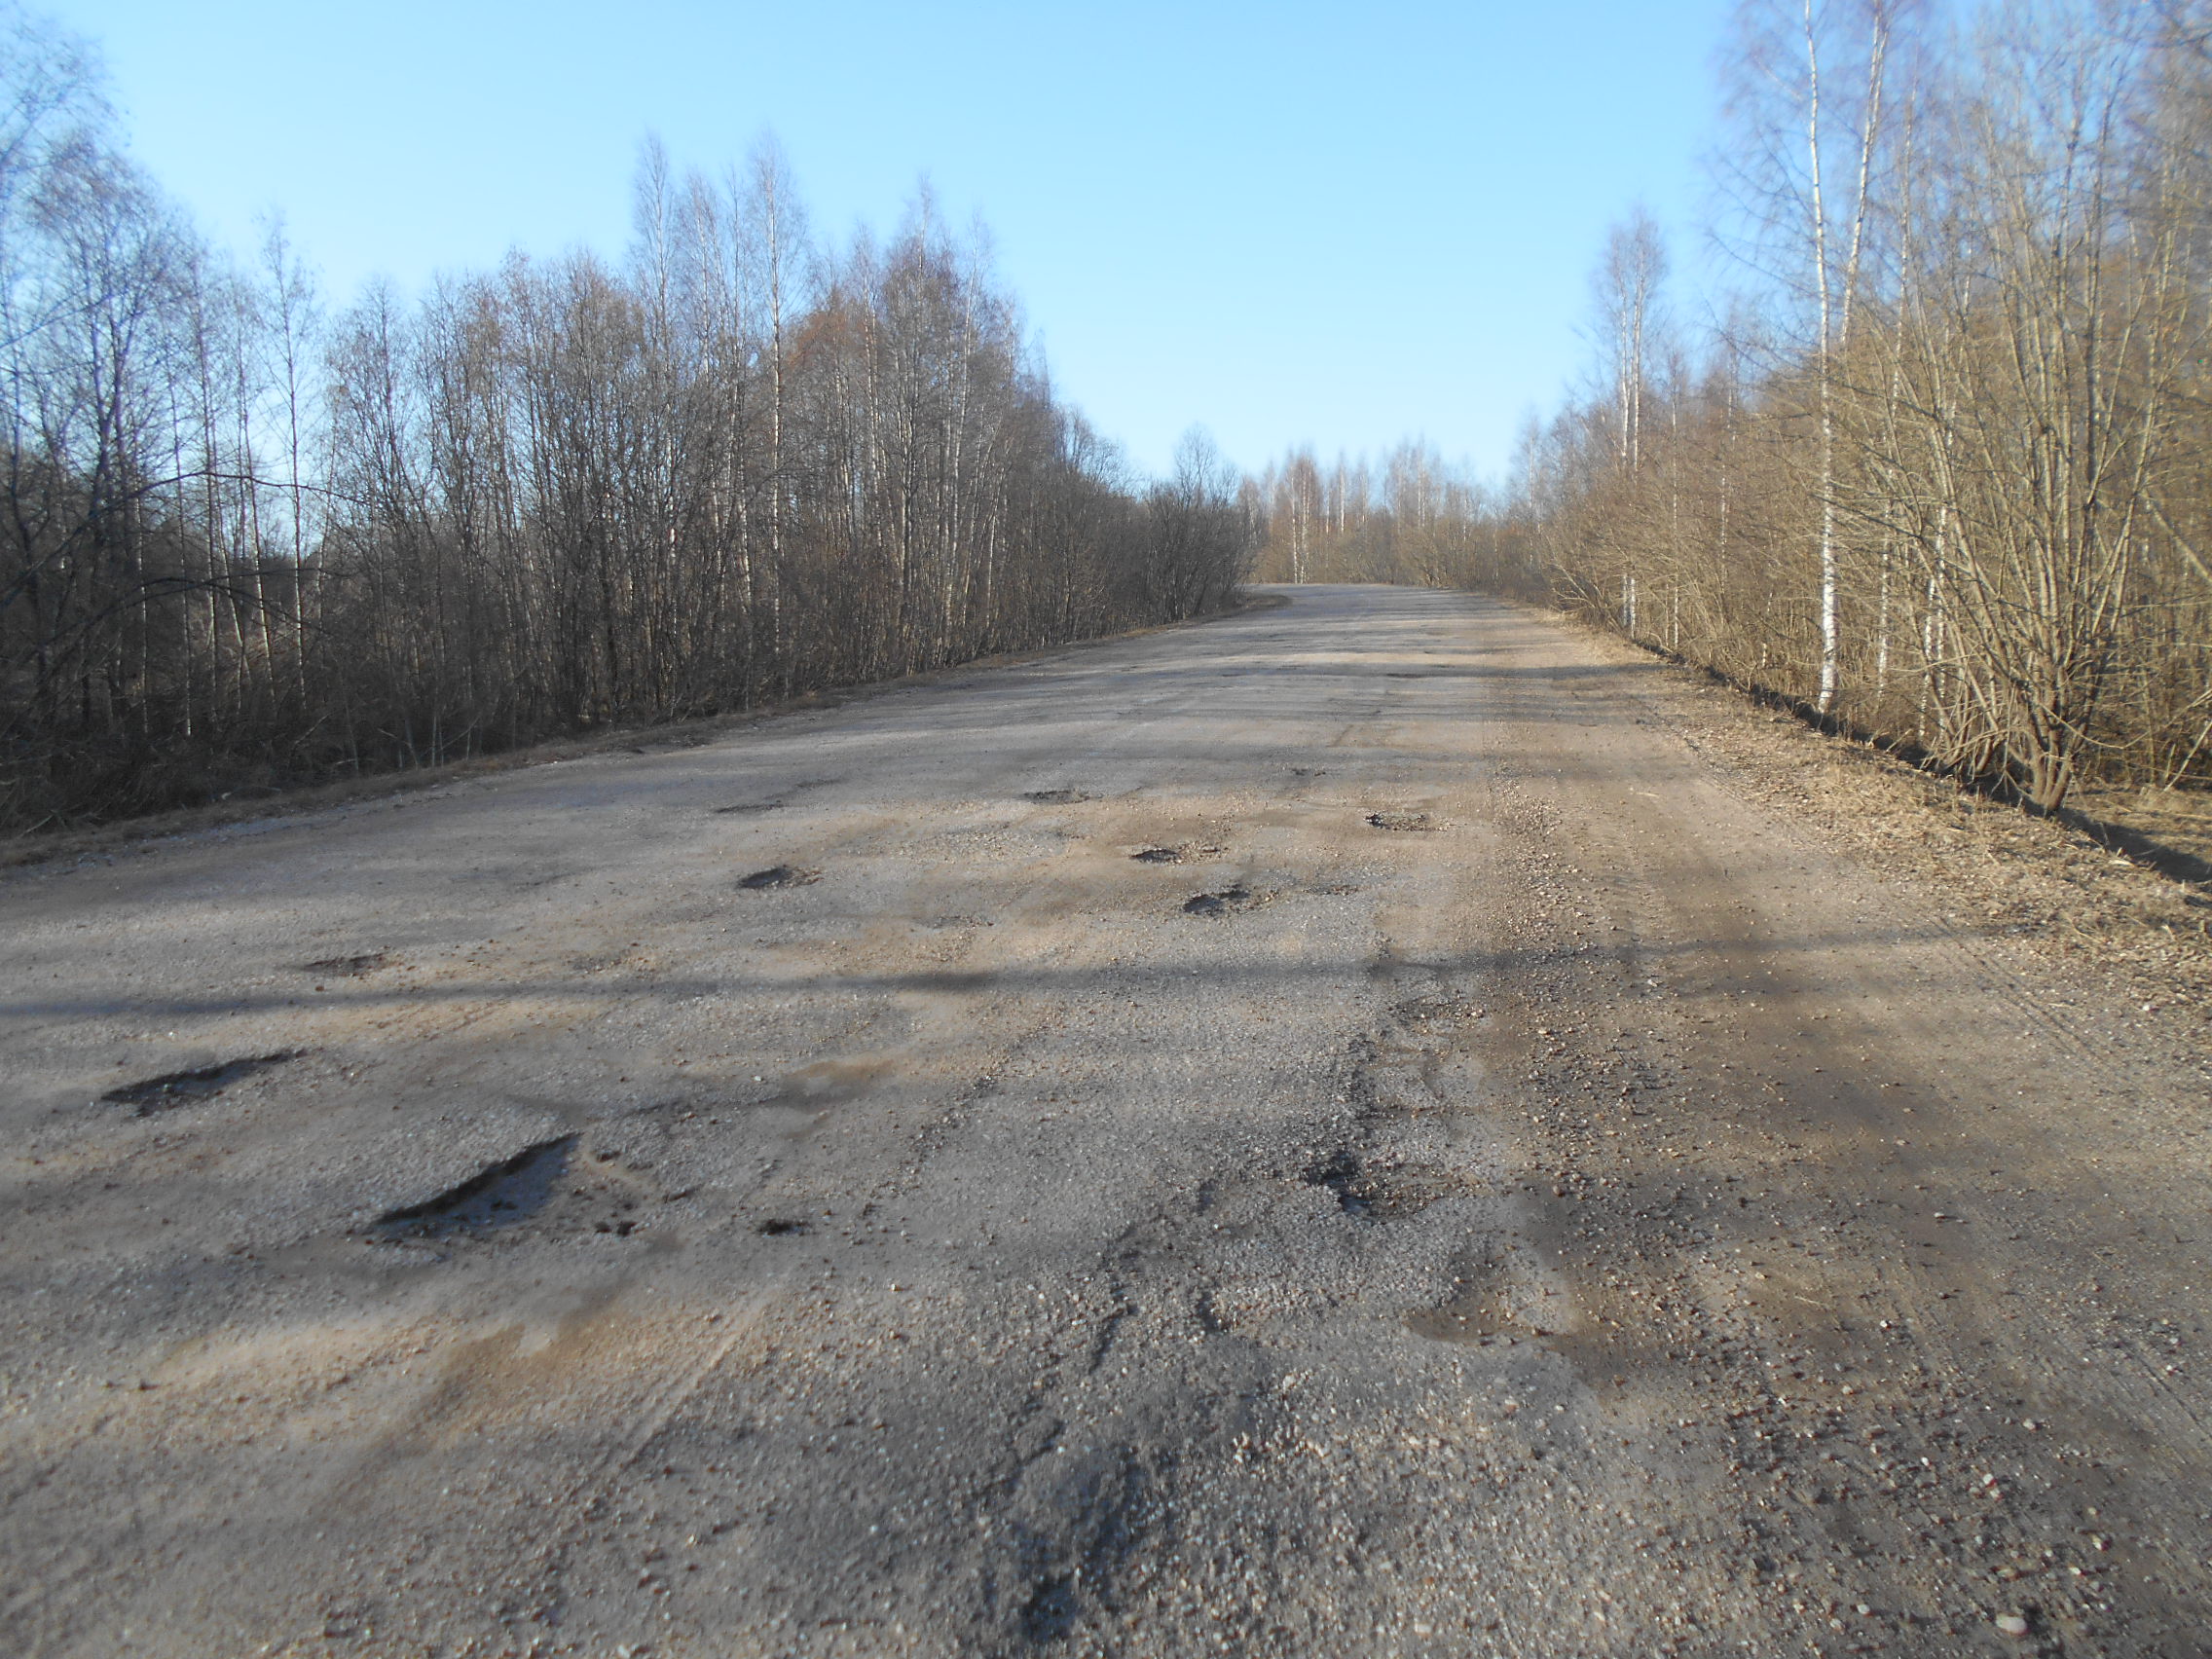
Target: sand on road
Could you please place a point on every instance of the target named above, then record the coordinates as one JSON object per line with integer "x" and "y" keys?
{"x": 1339, "y": 1130}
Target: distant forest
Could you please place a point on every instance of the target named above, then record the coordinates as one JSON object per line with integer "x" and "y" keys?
{"x": 1942, "y": 471}
{"x": 1939, "y": 468}
{"x": 252, "y": 540}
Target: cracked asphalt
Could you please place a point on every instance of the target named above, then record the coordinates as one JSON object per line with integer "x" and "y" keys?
{"x": 1337, "y": 1131}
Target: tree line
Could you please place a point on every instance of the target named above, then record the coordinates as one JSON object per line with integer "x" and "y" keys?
{"x": 248, "y": 538}
{"x": 1414, "y": 518}
{"x": 1940, "y": 466}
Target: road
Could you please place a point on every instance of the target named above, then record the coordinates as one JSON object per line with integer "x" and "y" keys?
{"x": 1337, "y": 1131}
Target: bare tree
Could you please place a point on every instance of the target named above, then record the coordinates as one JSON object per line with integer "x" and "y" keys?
{"x": 244, "y": 545}
{"x": 1807, "y": 101}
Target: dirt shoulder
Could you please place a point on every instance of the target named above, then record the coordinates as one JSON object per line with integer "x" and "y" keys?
{"x": 2059, "y": 892}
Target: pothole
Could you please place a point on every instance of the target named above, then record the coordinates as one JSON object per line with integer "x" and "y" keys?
{"x": 498, "y": 1195}
{"x": 1057, "y": 797}
{"x": 1049, "y": 1616}
{"x": 779, "y": 875}
{"x": 825, "y": 1083}
{"x": 1185, "y": 852}
{"x": 1229, "y": 902}
{"x": 1425, "y": 1011}
{"x": 1404, "y": 821}
{"x": 1495, "y": 1309}
{"x": 1380, "y": 1191}
{"x": 603, "y": 963}
{"x": 780, "y": 1226}
{"x": 180, "y": 1089}
{"x": 346, "y": 967}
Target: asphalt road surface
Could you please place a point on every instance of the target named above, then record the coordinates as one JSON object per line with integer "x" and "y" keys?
{"x": 1334, "y": 1131}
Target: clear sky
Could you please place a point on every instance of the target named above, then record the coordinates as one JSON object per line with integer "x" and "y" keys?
{"x": 1285, "y": 221}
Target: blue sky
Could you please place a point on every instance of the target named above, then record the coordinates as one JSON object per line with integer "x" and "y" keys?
{"x": 1288, "y": 222}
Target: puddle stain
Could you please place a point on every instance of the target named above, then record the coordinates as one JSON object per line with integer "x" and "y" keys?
{"x": 779, "y": 875}
{"x": 180, "y": 1089}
